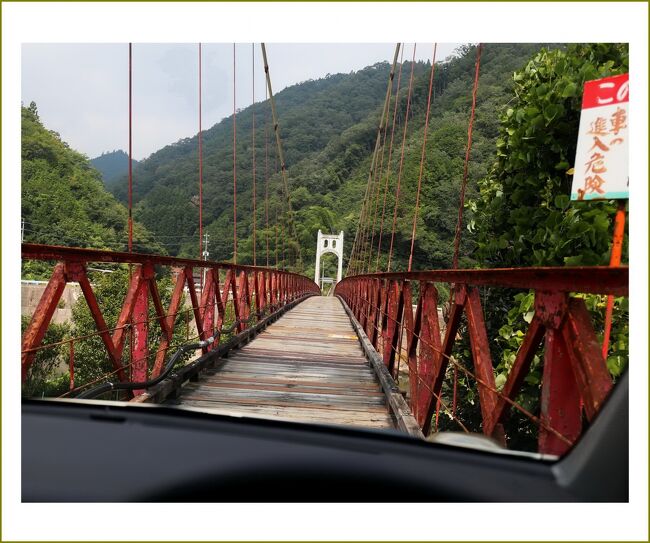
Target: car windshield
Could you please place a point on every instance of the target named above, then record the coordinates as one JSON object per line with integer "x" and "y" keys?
{"x": 427, "y": 245}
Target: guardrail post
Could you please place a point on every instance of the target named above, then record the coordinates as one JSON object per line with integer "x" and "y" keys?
{"x": 482, "y": 363}
{"x": 42, "y": 316}
{"x": 560, "y": 399}
{"x": 441, "y": 359}
{"x": 207, "y": 306}
{"x": 141, "y": 329}
{"x": 430, "y": 345}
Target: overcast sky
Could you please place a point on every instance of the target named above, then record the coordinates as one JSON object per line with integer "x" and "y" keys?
{"x": 81, "y": 90}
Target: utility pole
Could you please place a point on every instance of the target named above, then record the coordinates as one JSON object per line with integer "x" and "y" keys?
{"x": 206, "y": 239}
{"x": 205, "y": 254}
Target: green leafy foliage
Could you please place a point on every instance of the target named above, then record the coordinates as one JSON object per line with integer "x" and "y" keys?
{"x": 524, "y": 211}
{"x": 523, "y": 215}
{"x": 64, "y": 201}
{"x": 110, "y": 289}
{"x": 48, "y": 373}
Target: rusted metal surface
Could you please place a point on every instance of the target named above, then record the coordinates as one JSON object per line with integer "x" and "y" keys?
{"x": 560, "y": 400}
{"x": 35, "y": 332}
{"x": 276, "y": 287}
{"x": 34, "y": 251}
{"x": 588, "y": 365}
{"x": 307, "y": 367}
{"x": 140, "y": 327}
{"x": 482, "y": 361}
{"x": 575, "y": 375}
{"x": 304, "y": 369}
{"x": 588, "y": 280}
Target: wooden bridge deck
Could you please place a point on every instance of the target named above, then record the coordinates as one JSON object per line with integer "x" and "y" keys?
{"x": 308, "y": 366}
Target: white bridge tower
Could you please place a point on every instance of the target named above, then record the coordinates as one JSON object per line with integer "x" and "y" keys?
{"x": 329, "y": 243}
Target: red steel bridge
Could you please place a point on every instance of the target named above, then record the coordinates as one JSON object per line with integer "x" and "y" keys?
{"x": 263, "y": 342}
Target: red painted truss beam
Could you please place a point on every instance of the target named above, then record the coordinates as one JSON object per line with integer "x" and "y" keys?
{"x": 575, "y": 376}
{"x": 267, "y": 289}
{"x": 588, "y": 280}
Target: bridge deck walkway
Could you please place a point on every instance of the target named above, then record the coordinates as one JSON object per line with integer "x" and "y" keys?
{"x": 308, "y": 366}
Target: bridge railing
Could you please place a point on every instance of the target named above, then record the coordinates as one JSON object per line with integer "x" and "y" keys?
{"x": 575, "y": 376}
{"x": 229, "y": 292}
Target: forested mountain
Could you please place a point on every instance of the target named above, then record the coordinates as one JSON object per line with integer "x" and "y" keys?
{"x": 312, "y": 114}
{"x": 113, "y": 166}
{"x": 328, "y": 129}
{"x": 63, "y": 199}
{"x": 443, "y": 166}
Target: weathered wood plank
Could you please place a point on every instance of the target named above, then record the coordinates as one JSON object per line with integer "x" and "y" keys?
{"x": 308, "y": 366}
{"x": 286, "y": 396}
{"x": 291, "y": 387}
{"x": 329, "y": 416}
{"x": 398, "y": 406}
{"x": 260, "y": 380}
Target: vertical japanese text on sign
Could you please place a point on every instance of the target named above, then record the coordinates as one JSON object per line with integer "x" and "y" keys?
{"x": 601, "y": 164}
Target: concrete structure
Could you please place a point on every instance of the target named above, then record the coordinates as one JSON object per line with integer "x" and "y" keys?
{"x": 329, "y": 243}
{"x": 31, "y": 292}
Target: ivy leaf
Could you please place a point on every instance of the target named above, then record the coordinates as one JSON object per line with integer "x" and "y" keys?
{"x": 570, "y": 90}
{"x": 573, "y": 260}
{"x": 562, "y": 201}
{"x": 500, "y": 380}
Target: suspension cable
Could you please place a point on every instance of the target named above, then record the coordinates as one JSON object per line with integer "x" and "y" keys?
{"x": 470, "y": 127}
{"x": 368, "y": 218}
{"x": 371, "y": 230}
{"x": 282, "y": 236}
{"x": 461, "y": 205}
{"x": 276, "y": 236}
{"x": 234, "y": 155}
{"x": 130, "y": 215}
{"x": 254, "y": 180}
{"x": 401, "y": 161}
{"x": 200, "y": 165}
{"x": 378, "y": 172}
{"x": 362, "y": 229}
{"x": 276, "y": 129}
{"x": 277, "y": 224}
{"x": 266, "y": 183}
{"x": 365, "y": 224}
{"x": 424, "y": 145}
{"x": 363, "y": 219}
{"x": 390, "y": 154}
{"x": 366, "y": 212}
{"x": 352, "y": 264}
{"x": 130, "y": 149}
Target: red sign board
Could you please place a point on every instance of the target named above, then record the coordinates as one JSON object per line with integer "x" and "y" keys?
{"x": 606, "y": 92}
{"x": 601, "y": 164}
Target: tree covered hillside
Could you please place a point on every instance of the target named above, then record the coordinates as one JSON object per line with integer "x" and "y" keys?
{"x": 312, "y": 114}
{"x": 444, "y": 156}
{"x": 63, "y": 199}
{"x": 328, "y": 130}
{"x": 113, "y": 166}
